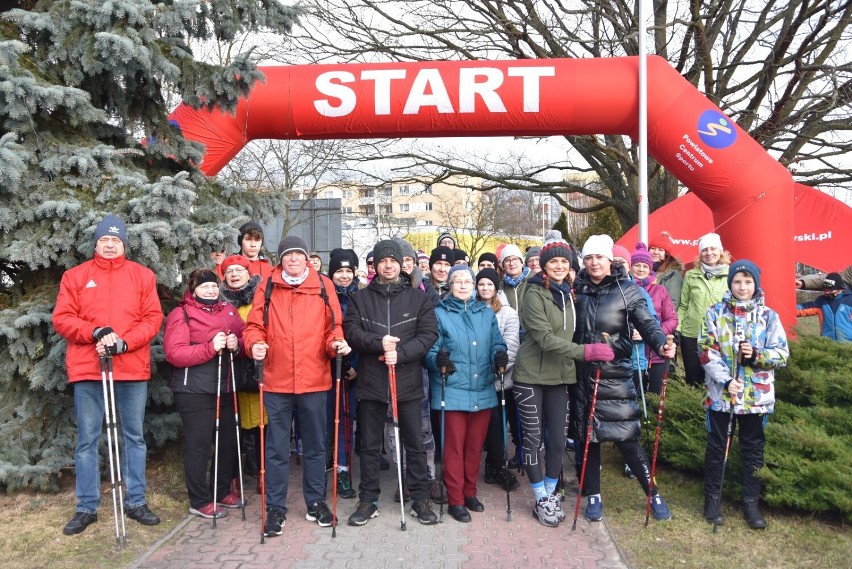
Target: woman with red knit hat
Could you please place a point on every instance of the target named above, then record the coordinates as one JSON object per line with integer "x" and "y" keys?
{"x": 668, "y": 268}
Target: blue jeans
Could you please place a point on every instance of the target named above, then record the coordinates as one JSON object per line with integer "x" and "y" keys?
{"x": 311, "y": 411}
{"x": 130, "y": 399}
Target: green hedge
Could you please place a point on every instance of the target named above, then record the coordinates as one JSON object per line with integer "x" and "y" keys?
{"x": 808, "y": 438}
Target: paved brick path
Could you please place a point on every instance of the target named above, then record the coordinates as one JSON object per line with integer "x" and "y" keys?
{"x": 489, "y": 541}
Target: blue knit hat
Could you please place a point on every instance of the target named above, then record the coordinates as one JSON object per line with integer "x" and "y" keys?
{"x": 111, "y": 225}
{"x": 460, "y": 268}
{"x": 744, "y": 266}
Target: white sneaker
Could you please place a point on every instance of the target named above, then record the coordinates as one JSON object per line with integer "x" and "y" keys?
{"x": 557, "y": 507}
{"x": 544, "y": 512}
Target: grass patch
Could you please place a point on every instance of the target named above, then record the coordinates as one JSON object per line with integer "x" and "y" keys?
{"x": 688, "y": 541}
{"x": 31, "y": 523}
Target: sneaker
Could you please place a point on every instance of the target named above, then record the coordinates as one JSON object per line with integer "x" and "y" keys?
{"x": 365, "y": 511}
{"x": 544, "y": 512}
{"x": 232, "y": 500}
{"x": 660, "y": 510}
{"x": 318, "y": 512}
{"x": 344, "y": 485}
{"x": 143, "y": 515}
{"x": 275, "y": 520}
{"x": 405, "y": 493}
{"x": 437, "y": 492}
{"x": 629, "y": 473}
{"x": 556, "y": 500}
{"x": 79, "y": 523}
{"x": 207, "y": 511}
{"x": 594, "y": 508}
{"x": 422, "y": 510}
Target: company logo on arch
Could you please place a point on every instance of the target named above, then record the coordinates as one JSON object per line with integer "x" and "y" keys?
{"x": 716, "y": 130}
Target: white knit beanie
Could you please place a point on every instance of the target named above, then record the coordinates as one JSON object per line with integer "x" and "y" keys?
{"x": 510, "y": 250}
{"x": 710, "y": 240}
{"x": 598, "y": 245}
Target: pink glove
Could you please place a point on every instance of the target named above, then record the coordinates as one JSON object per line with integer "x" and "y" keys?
{"x": 598, "y": 353}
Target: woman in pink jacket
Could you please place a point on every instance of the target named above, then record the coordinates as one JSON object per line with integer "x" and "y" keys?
{"x": 197, "y": 333}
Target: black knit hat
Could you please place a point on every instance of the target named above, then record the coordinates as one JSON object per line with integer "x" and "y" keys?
{"x": 248, "y": 226}
{"x": 442, "y": 254}
{"x": 111, "y": 225}
{"x": 490, "y": 274}
{"x": 554, "y": 246}
{"x": 460, "y": 255}
{"x": 292, "y": 243}
{"x": 488, "y": 257}
{"x": 342, "y": 259}
{"x": 387, "y": 248}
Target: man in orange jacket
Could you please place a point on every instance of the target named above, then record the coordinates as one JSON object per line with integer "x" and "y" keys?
{"x": 109, "y": 305}
{"x": 296, "y": 334}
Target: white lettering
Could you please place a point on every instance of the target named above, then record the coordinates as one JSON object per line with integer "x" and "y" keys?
{"x": 437, "y": 97}
{"x": 697, "y": 148}
{"x": 383, "y": 78}
{"x": 532, "y": 83}
{"x": 327, "y": 85}
{"x": 681, "y": 159}
{"x": 469, "y": 88}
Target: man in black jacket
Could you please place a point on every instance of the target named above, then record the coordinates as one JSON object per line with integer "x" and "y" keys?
{"x": 390, "y": 323}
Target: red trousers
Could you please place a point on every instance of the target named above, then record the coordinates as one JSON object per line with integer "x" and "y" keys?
{"x": 464, "y": 435}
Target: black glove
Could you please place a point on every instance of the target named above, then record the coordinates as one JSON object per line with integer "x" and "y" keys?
{"x": 501, "y": 360}
{"x": 99, "y": 333}
{"x": 444, "y": 362}
{"x": 118, "y": 348}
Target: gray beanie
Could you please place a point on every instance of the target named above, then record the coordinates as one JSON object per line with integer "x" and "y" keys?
{"x": 407, "y": 249}
{"x": 458, "y": 269}
{"x": 387, "y": 248}
{"x": 111, "y": 225}
{"x": 532, "y": 252}
{"x": 292, "y": 243}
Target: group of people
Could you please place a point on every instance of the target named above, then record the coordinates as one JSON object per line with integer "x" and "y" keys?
{"x": 524, "y": 344}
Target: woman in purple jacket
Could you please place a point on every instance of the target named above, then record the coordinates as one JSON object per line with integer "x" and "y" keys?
{"x": 197, "y": 333}
{"x": 640, "y": 268}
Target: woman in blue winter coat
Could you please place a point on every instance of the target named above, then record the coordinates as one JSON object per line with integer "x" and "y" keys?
{"x": 469, "y": 348}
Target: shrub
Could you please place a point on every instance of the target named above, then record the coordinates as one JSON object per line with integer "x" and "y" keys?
{"x": 808, "y": 438}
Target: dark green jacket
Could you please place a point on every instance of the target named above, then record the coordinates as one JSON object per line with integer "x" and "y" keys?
{"x": 547, "y": 354}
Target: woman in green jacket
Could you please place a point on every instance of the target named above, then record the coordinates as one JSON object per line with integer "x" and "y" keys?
{"x": 703, "y": 287}
{"x": 544, "y": 368}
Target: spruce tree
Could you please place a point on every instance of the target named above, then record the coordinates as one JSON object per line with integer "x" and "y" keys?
{"x": 85, "y": 92}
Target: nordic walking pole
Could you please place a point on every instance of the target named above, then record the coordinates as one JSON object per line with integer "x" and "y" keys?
{"x": 588, "y": 439}
{"x": 443, "y": 412}
{"x": 505, "y": 441}
{"x": 392, "y": 380}
{"x": 641, "y": 382}
{"x": 338, "y": 370}
{"x": 237, "y": 429}
{"x": 109, "y": 417}
{"x": 259, "y": 365}
{"x": 347, "y": 424}
{"x": 216, "y": 443}
{"x": 729, "y": 437}
{"x": 669, "y": 342}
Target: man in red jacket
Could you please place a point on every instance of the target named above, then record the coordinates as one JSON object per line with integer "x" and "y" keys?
{"x": 109, "y": 305}
{"x": 296, "y": 338}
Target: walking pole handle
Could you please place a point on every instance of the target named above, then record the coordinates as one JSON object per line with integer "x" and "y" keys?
{"x": 669, "y": 339}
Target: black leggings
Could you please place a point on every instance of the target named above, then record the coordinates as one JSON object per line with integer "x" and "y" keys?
{"x": 540, "y": 407}
{"x": 691, "y": 364}
{"x": 633, "y": 455}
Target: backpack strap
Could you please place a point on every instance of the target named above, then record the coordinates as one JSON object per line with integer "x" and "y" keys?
{"x": 324, "y": 296}
{"x": 267, "y": 296}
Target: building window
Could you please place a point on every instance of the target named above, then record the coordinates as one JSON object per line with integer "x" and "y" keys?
{"x": 404, "y": 190}
{"x": 404, "y": 208}
{"x": 347, "y": 194}
{"x": 428, "y": 206}
{"x": 347, "y": 210}
{"x": 428, "y": 188}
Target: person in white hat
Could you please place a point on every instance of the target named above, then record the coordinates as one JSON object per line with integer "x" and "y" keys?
{"x": 703, "y": 286}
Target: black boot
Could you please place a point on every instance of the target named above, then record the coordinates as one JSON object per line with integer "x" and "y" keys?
{"x": 752, "y": 515}
{"x": 713, "y": 509}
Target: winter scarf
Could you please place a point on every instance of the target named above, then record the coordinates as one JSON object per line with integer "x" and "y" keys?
{"x": 515, "y": 281}
{"x": 644, "y": 283}
{"x": 294, "y": 281}
{"x": 710, "y": 272}
{"x": 242, "y": 296}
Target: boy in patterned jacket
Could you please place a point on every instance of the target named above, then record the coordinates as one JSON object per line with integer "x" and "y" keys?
{"x": 741, "y": 344}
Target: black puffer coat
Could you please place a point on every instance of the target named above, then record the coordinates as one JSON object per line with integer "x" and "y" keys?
{"x": 607, "y": 307}
{"x": 398, "y": 310}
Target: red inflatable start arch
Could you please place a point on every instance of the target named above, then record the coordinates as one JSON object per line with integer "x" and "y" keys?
{"x": 750, "y": 193}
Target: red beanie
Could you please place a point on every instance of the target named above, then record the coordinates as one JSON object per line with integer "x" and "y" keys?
{"x": 662, "y": 241}
{"x": 236, "y": 260}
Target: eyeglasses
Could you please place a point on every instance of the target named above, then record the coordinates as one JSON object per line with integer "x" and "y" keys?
{"x": 236, "y": 271}
{"x": 458, "y": 282}
{"x": 512, "y": 260}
